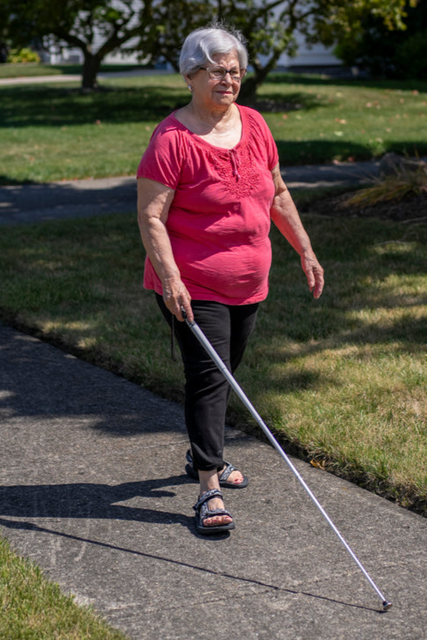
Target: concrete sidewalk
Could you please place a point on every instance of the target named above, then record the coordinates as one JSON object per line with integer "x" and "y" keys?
{"x": 93, "y": 489}
{"x": 80, "y": 198}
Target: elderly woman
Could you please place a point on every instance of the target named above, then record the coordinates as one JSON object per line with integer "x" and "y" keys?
{"x": 208, "y": 185}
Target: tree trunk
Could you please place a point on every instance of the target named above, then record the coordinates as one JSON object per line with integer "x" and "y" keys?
{"x": 90, "y": 71}
{"x": 247, "y": 95}
{"x": 250, "y": 86}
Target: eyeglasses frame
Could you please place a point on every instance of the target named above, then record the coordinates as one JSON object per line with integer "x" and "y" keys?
{"x": 234, "y": 78}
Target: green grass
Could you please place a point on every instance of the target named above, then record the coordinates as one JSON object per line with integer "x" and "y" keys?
{"x": 33, "y": 69}
{"x": 55, "y": 132}
{"x": 341, "y": 380}
{"x": 33, "y": 608}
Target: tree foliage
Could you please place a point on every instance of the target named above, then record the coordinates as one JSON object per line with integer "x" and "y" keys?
{"x": 269, "y": 26}
{"x": 78, "y": 23}
{"x": 389, "y": 53}
{"x": 160, "y": 26}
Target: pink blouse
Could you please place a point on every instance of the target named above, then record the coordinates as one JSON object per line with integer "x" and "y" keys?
{"x": 219, "y": 219}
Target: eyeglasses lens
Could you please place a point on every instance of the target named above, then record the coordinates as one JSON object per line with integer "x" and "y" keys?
{"x": 218, "y": 73}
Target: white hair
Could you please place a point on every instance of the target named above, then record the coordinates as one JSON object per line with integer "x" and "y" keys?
{"x": 202, "y": 44}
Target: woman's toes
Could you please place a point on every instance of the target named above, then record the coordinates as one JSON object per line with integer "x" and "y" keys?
{"x": 217, "y": 521}
{"x": 236, "y": 477}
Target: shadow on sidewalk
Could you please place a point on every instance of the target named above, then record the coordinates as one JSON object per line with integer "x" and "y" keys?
{"x": 93, "y": 501}
{"x": 30, "y": 526}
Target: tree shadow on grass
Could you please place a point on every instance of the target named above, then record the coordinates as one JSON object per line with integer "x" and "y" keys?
{"x": 58, "y": 106}
{"x": 61, "y": 106}
{"x": 368, "y": 83}
{"x": 292, "y": 153}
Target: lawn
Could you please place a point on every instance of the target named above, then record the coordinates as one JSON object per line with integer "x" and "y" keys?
{"x": 341, "y": 380}
{"x": 33, "y": 69}
{"x": 55, "y": 132}
{"x": 32, "y": 608}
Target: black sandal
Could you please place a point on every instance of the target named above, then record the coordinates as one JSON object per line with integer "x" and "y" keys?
{"x": 223, "y": 479}
{"x": 203, "y": 512}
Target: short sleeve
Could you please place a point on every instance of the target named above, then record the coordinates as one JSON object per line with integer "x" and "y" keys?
{"x": 272, "y": 153}
{"x": 262, "y": 135}
{"x": 162, "y": 160}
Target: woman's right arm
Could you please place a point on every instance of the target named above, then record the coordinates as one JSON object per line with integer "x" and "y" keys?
{"x": 154, "y": 200}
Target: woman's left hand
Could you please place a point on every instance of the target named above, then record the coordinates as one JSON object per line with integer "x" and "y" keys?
{"x": 314, "y": 273}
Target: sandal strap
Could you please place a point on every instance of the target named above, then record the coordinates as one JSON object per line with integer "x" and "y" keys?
{"x": 213, "y": 493}
{"x": 210, "y": 513}
{"x": 227, "y": 471}
{"x": 224, "y": 475}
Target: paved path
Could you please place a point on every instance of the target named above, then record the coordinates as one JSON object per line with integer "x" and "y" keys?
{"x": 92, "y": 488}
{"x": 79, "y": 198}
{"x": 23, "y": 80}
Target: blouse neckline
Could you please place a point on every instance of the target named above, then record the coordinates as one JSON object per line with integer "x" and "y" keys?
{"x": 195, "y": 136}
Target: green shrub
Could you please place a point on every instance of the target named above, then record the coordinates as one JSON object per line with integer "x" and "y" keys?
{"x": 22, "y": 55}
{"x": 411, "y": 56}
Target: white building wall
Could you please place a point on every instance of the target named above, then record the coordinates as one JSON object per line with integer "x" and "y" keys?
{"x": 314, "y": 56}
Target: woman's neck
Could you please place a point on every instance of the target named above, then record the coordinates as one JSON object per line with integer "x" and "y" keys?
{"x": 209, "y": 120}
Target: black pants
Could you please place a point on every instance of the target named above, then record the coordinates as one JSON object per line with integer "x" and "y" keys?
{"x": 228, "y": 329}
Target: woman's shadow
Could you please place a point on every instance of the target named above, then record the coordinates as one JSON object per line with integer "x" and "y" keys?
{"x": 91, "y": 501}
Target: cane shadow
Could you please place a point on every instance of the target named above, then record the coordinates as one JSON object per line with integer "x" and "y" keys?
{"x": 93, "y": 501}
{"x": 30, "y": 526}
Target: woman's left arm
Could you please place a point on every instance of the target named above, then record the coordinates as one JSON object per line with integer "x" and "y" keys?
{"x": 286, "y": 218}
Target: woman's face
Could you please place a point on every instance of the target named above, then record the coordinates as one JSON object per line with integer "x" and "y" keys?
{"x": 213, "y": 93}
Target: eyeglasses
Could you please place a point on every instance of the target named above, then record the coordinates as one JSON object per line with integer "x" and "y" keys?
{"x": 219, "y": 73}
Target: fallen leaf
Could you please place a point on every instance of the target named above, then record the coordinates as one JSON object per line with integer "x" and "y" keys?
{"x": 319, "y": 464}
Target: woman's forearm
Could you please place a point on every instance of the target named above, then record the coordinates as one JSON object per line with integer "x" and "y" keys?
{"x": 154, "y": 200}
{"x": 157, "y": 244}
{"x": 286, "y": 218}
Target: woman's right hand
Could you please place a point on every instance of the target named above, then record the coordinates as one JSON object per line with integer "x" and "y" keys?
{"x": 175, "y": 296}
